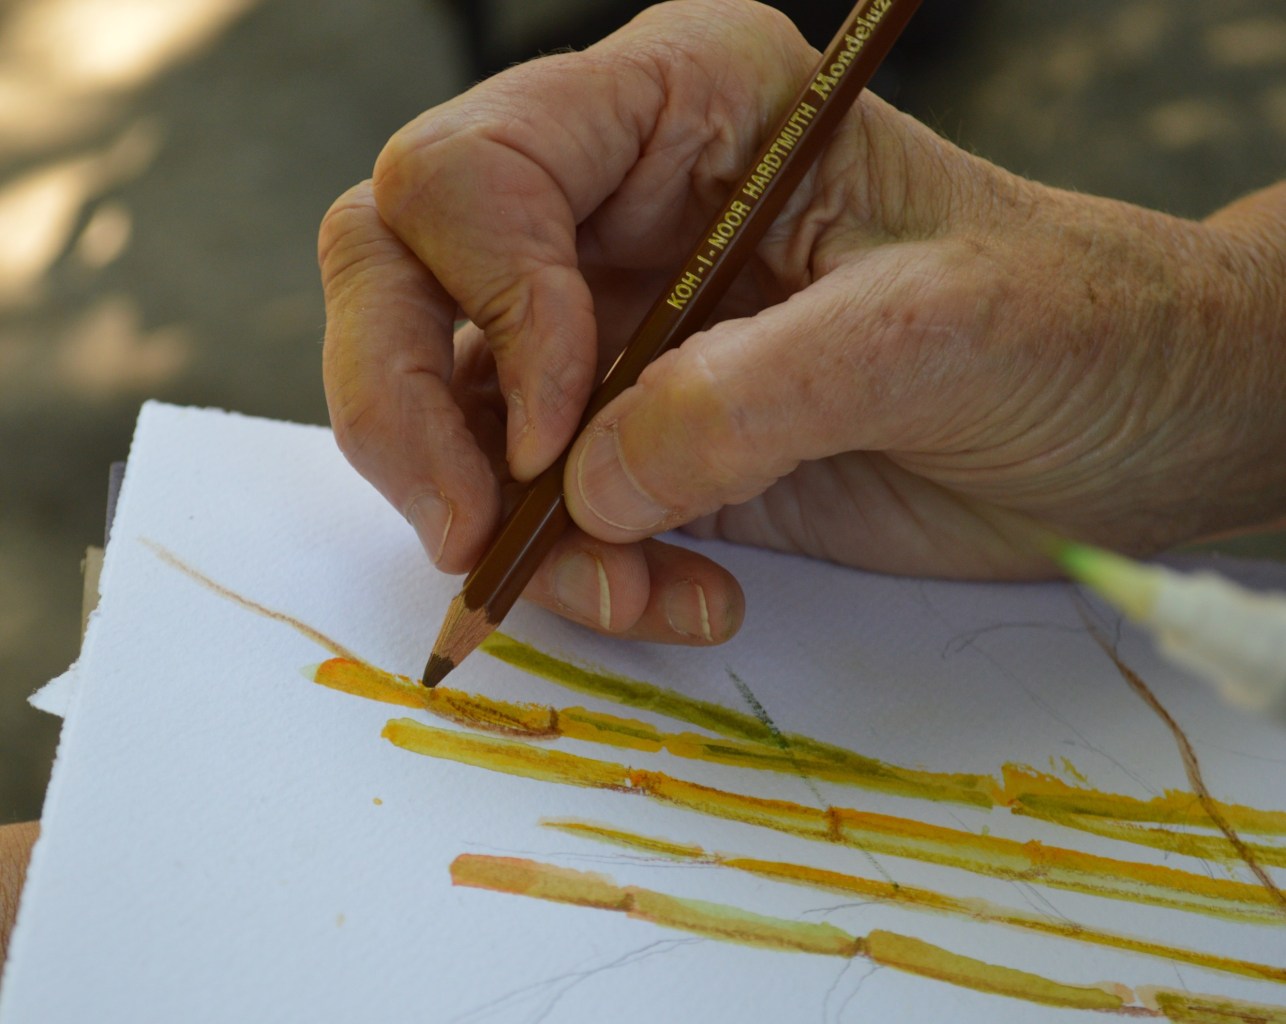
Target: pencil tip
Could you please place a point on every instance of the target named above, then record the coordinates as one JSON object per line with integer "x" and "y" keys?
{"x": 436, "y": 670}
{"x": 462, "y": 631}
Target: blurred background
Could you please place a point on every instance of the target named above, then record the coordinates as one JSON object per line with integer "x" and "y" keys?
{"x": 164, "y": 165}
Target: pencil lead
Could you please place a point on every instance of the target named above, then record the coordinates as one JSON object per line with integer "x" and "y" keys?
{"x": 436, "y": 670}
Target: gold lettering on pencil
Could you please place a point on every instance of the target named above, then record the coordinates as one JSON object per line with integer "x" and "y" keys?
{"x": 859, "y": 32}
{"x": 772, "y": 161}
{"x": 686, "y": 287}
{"x": 775, "y": 156}
{"x": 683, "y": 291}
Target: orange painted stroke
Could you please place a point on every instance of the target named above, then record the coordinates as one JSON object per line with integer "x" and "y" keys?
{"x": 877, "y": 833}
{"x": 1034, "y": 794}
{"x": 914, "y": 898}
{"x": 536, "y": 880}
{"x": 1187, "y": 844}
{"x": 1020, "y": 787}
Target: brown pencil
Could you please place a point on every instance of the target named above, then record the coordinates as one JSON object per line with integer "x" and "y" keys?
{"x": 540, "y": 517}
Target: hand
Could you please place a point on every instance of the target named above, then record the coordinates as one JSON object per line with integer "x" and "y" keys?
{"x": 927, "y": 355}
{"x": 16, "y": 842}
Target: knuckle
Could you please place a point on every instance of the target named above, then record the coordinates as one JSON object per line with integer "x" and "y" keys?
{"x": 435, "y": 164}
{"x": 401, "y": 166}
{"x": 712, "y": 428}
{"x": 340, "y": 221}
{"x": 451, "y": 150}
{"x": 504, "y": 313}
{"x": 349, "y": 242}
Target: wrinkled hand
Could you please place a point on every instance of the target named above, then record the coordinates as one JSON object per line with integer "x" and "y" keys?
{"x": 926, "y": 354}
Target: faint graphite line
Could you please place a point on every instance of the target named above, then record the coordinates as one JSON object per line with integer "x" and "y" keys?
{"x": 761, "y": 713}
{"x": 1040, "y": 702}
{"x": 570, "y": 979}
{"x": 1191, "y": 766}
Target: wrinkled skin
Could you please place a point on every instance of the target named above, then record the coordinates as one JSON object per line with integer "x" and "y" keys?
{"x": 926, "y": 356}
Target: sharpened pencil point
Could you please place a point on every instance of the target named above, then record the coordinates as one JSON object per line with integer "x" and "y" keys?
{"x": 464, "y": 629}
{"x": 436, "y": 670}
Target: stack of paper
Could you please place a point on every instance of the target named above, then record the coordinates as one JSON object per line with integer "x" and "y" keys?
{"x": 886, "y": 800}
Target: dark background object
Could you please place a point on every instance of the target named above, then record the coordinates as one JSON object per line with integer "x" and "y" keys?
{"x": 934, "y": 25}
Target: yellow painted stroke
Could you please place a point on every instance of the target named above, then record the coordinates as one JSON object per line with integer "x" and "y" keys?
{"x": 1040, "y": 795}
{"x": 1186, "y": 1008}
{"x": 1021, "y": 787}
{"x": 1026, "y": 792}
{"x": 543, "y": 722}
{"x": 748, "y": 733}
{"x": 916, "y": 899}
{"x": 1185, "y": 843}
{"x": 530, "y": 721}
{"x": 928, "y": 961}
{"x": 987, "y": 855}
{"x": 522, "y": 877}
{"x": 588, "y": 889}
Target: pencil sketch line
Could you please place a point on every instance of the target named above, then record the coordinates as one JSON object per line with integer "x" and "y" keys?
{"x": 761, "y": 713}
{"x": 871, "y": 971}
{"x": 838, "y": 980}
{"x": 1039, "y": 899}
{"x": 564, "y": 983}
{"x": 838, "y": 907}
{"x": 1241, "y": 754}
{"x": 1191, "y": 767}
{"x": 171, "y": 559}
{"x": 1031, "y": 695}
{"x": 967, "y": 639}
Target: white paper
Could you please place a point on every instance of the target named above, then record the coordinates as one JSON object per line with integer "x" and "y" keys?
{"x": 55, "y": 697}
{"x": 225, "y": 840}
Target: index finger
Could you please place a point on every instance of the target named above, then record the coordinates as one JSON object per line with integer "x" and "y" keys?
{"x": 499, "y": 191}
{"x": 388, "y": 365}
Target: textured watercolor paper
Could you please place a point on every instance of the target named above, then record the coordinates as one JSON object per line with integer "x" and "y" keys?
{"x": 54, "y": 698}
{"x": 887, "y": 799}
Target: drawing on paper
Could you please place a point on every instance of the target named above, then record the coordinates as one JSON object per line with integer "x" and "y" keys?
{"x": 519, "y": 739}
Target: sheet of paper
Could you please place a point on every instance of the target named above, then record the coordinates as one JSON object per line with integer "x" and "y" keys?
{"x": 54, "y": 698}
{"x": 886, "y": 800}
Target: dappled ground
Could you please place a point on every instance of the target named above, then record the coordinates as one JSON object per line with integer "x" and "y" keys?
{"x": 163, "y": 168}
{"x": 166, "y": 175}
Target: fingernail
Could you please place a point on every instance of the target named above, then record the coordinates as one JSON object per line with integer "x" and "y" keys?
{"x": 608, "y": 489}
{"x": 580, "y": 586}
{"x": 431, "y": 516}
{"x": 687, "y": 612}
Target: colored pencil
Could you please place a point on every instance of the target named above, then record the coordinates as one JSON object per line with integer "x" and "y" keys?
{"x": 541, "y": 517}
